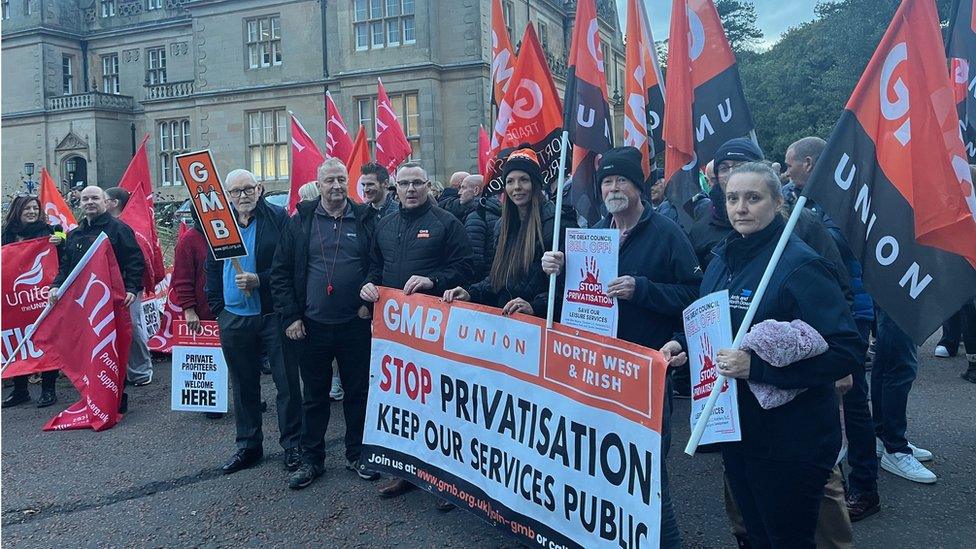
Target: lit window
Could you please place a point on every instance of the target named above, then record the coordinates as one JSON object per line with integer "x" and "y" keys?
{"x": 267, "y": 144}
{"x": 407, "y": 109}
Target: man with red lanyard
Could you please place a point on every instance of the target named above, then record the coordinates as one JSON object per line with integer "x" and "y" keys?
{"x": 321, "y": 262}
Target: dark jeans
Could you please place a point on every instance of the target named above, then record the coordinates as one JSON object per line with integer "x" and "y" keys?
{"x": 968, "y": 317}
{"x": 48, "y": 379}
{"x": 670, "y": 534}
{"x": 860, "y": 429}
{"x": 894, "y": 371}
{"x": 348, "y": 344}
{"x": 779, "y": 500}
{"x": 243, "y": 339}
{"x": 952, "y": 333}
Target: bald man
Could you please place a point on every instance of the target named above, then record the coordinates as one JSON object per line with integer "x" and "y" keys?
{"x": 96, "y": 221}
{"x": 128, "y": 256}
{"x": 466, "y": 199}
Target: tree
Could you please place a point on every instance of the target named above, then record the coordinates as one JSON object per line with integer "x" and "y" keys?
{"x": 739, "y": 19}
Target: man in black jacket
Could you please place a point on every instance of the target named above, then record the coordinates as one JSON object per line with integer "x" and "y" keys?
{"x": 421, "y": 248}
{"x": 249, "y": 326}
{"x": 319, "y": 267}
{"x": 658, "y": 277}
{"x": 465, "y": 200}
{"x": 97, "y": 220}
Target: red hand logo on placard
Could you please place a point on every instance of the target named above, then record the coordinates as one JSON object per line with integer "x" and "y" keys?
{"x": 591, "y": 274}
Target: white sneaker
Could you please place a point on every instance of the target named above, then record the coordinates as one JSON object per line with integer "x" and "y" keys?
{"x": 941, "y": 351}
{"x": 907, "y": 467}
{"x": 920, "y": 454}
{"x": 336, "y": 393}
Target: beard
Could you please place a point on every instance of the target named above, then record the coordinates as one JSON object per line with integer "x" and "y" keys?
{"x": 616, "y": 202}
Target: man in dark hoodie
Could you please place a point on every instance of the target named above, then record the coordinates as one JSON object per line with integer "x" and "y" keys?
{"x": 658, "y": 277}
{"x": 319, "y": 267}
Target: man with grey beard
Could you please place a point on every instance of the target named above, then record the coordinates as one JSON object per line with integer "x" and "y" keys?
{"x": 659, "y": 277}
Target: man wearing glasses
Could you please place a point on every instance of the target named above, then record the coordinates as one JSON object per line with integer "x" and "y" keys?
{"x": 421, "y": 248}
{"x": 249, "y": 327}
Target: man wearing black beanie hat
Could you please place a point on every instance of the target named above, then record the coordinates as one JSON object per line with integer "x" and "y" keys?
{"x": 709, "y": 229}
{"x": 659, "y": 277}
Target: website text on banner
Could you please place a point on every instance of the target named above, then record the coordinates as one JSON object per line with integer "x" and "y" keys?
{"x": 708, "y": 328}
{"x": 28, "y": 269}
{"x": 551, "y": 436}
{"x": 592, "y": 256}
{"x": 199, "y": 369}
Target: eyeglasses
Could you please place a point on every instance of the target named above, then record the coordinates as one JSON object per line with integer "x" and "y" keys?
{"x": 416, "y": 183}
{"x": 246, "y": 191}
{"x": 728, "y": 166}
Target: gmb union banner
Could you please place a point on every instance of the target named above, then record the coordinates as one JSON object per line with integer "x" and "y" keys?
{"x": 28, "y": 269}
{"x": 552, "y": 435}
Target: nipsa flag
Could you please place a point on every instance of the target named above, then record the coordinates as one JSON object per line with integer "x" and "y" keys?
{"x": 962, "y": 54}
{"x": 705, "y": 104}
{"x": 530, "y": 115}
{"x": 894, "y": 178}
{"x": 643, "y": 90}
{"x": 89, "y": 331}
{"x": 338, "y": 143}
{"x": 587, "y": 112}
{"x": 305, "y": 158}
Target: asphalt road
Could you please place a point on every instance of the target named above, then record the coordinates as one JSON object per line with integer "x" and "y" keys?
{"x": 152, "y": 481}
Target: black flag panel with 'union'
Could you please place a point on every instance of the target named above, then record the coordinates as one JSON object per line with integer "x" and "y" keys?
{"x": 705, "y": 103}
{"x": 894, "y": 178}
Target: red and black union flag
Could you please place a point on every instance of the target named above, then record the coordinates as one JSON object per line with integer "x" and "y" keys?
{"x": 587, "y": 111}
{"x": 962, "y": 56}
{"x": 894, "y": 178}
{"x": 643, "y": 90}
{"x": 705, "y": 103}
{"x": 530, "y": 115}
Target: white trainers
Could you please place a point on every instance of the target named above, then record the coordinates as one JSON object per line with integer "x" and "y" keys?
{"x": 907, "y": 467}
{"x": 920, "y": 454}
{"x": 336, "y": 393}
{"x": 941, "y": 351}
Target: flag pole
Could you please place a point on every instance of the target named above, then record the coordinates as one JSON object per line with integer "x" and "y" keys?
{"x": 699, "y": 429}
{"x": 560, "y": 183}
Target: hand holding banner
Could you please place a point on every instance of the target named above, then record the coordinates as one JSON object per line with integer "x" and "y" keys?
{"x": 547, "y": 434}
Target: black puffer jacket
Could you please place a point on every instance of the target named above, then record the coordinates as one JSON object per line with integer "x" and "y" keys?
{"x": 289, "y": 271}
{"x": 534, "y": 286}
{"x": 480, "y": 225}
{"x": 453, "y": 204}
{"x": 127, "y": 252}
{"x": 425, "y": 241}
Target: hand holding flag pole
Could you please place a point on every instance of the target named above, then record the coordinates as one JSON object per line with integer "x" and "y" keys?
{"x": 699, "y": 429}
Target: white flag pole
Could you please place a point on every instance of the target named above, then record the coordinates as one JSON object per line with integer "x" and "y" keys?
{"x": 560, "y": 182}
{"x": 699, "y": 430}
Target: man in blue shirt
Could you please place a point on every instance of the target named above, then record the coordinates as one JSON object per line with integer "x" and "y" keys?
{"x": 249, "y": 327}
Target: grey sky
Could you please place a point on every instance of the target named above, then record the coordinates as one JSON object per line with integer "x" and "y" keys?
{"x": 774, "y": 16}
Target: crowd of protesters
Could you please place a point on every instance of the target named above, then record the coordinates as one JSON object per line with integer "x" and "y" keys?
{"x": 302, "y": 298}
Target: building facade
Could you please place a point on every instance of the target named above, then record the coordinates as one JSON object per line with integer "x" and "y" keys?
{"x": 85, "y": 80}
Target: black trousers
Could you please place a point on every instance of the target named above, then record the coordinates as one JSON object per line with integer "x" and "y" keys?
{"x": 244, "y": 339}
{"x": 349, "y": 345}
{"x": 779, "y": 501}
{"x": 48, "y": 379}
